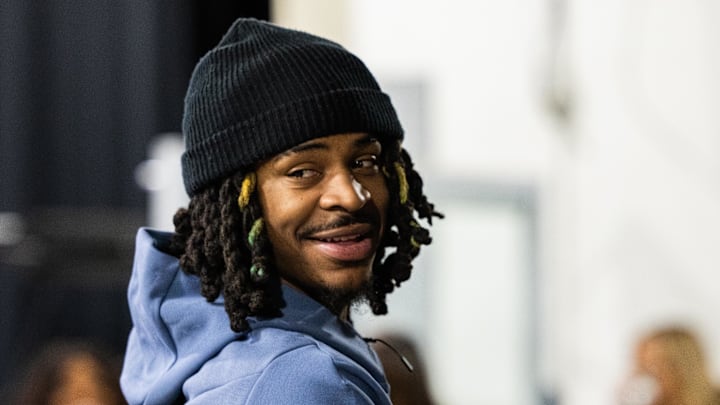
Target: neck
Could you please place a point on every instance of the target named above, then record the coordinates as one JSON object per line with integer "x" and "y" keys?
{"x": 336, "y": 301}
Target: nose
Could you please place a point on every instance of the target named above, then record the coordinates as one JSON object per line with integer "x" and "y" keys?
{"x": 345, "y": 192}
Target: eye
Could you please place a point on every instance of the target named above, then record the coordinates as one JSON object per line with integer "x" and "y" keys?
{"x": 303, "y": 173}
{"x": 366, "y": 164}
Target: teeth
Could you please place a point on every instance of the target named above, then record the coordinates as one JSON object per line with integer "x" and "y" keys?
{"x": 340, "y": 239}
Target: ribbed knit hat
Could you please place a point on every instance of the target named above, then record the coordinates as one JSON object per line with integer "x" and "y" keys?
{"x": 264, "y": 89}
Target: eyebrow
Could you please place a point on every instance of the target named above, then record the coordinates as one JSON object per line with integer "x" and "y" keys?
{"x": 359, "y": 143}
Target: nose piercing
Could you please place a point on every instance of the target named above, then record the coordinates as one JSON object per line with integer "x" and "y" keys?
{"x": 360, "y": 190}
{"x": 365, "y": 192}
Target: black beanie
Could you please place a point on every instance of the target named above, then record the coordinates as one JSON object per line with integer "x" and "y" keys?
{"x": 264, "y": 89}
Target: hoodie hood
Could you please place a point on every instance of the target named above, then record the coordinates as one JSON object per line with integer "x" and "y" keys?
{"x": 176, "y": 331}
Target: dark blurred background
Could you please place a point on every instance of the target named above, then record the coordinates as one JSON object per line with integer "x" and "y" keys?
{"x": 84, "y": 87}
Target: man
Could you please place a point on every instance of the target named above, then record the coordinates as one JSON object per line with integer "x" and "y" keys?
{"x": 298, "y": 184}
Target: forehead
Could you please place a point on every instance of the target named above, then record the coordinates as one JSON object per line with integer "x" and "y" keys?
{"x": 354, "y": 140}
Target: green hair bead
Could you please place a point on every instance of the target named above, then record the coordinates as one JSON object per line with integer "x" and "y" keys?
{"x": 255, "y": 231}
{"x": 257, "y": 272}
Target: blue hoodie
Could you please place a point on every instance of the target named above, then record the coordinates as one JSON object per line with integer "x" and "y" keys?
{"x": 181, "y": 345}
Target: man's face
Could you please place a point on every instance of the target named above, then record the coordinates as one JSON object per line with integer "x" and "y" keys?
{"x": 325, "y": 203}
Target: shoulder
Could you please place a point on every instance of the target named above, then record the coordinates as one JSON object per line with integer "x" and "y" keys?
{"x": 285, "y": 367}
{"x": 313, "y": 374}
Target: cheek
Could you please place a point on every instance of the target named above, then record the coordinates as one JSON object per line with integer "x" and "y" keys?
{"x": 380, "y": 196}
{"x": 284, "y": 213}
{"x": 279, "y": 220}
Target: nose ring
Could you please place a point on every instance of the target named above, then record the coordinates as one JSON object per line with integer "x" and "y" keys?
{"x": 361, "y": 191}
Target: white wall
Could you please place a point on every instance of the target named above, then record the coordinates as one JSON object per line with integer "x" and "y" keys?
{"x": 645, "y": 183}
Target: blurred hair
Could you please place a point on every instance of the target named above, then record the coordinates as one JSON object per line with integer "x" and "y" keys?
{"x": 48, "y": 373}
{"x": 679, "y": 361}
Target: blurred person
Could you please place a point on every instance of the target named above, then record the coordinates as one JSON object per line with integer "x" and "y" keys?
{"x": 298, "y": 184}
{"x": 670, "y": 369}
{"x": 404, "y": 369}
{"x": 70, "y": 373}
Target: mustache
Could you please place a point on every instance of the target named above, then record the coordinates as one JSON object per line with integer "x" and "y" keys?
{"x": 339, "y": 222}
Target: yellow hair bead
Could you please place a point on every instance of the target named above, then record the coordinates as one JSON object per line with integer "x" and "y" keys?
{"x": 246, "y": 190}
{"x": 414, "y": 243}
{"x": 402, "y": 180}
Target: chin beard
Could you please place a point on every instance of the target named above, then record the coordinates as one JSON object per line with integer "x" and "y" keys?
{"x": 337, "y": 300}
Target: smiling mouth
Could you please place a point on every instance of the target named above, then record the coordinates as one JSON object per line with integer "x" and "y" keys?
{"x": 342, "y": 239}
{"x": 343, "y": 233}
{"x": 347, "y": 244}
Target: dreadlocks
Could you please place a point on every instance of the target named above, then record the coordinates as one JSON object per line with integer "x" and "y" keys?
{"x": 221, "y": 239}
